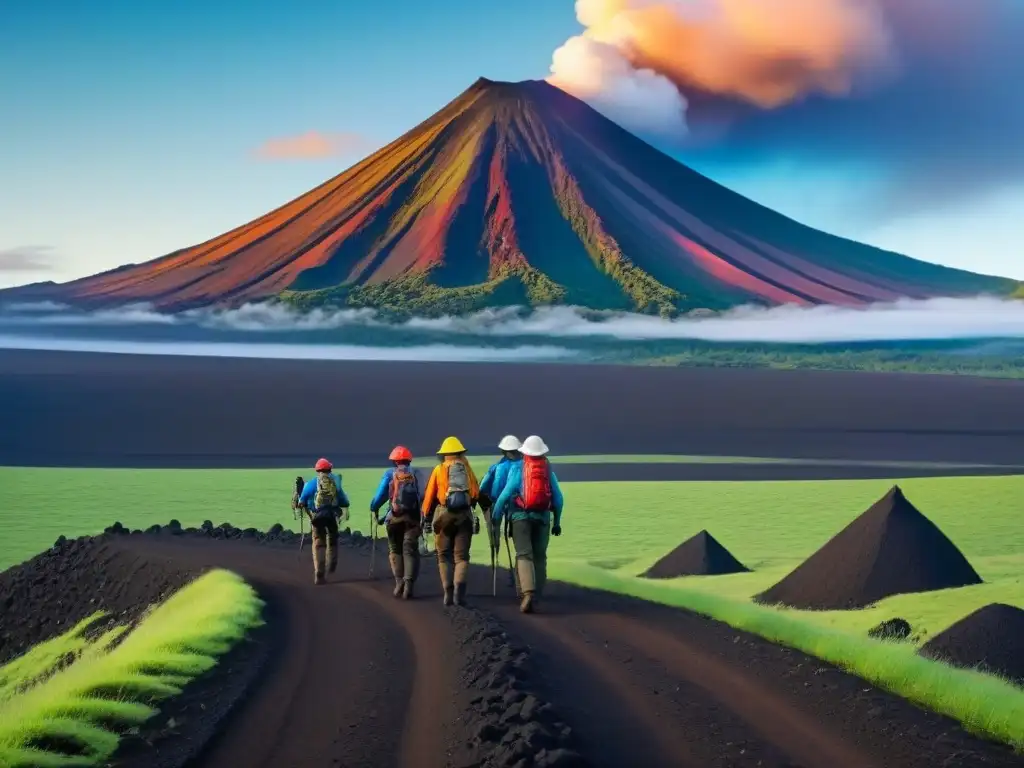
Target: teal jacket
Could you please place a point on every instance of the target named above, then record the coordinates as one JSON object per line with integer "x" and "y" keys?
{"x": 505, "y": 503}
{"x": 497, "y": 475}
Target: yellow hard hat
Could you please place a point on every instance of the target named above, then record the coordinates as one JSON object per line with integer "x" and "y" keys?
{"x": 451, "y": 445}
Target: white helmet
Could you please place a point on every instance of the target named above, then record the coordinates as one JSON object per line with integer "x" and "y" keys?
{"x": 533, "y": 446}
{"x": 509, "y": 443}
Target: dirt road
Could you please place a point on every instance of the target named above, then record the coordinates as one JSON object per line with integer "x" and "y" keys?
{"x": 360, "y": 679}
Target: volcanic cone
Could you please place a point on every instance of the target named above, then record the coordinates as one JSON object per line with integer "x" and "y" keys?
{"x": 891, "y": 549}
{"x": 701, "y": 555}
{"x": 991, "y": 639}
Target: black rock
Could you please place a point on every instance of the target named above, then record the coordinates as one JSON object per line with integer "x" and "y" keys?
{"x": 174, "y": 525}
{"x": 891, "y": 629}
{"x": 153, "y": 529}
{"x": 276, "y": 529}
{"x": 207, "y": 525}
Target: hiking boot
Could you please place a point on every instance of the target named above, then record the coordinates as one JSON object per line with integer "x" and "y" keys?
{"x": 407, "y": 590}
{"x": 318, "y": 578}
{"x": 526, "y": 605}
{"x": 460, "y": 594}
{"x": 399, "y": 588}
{"x": 448, "y": 595}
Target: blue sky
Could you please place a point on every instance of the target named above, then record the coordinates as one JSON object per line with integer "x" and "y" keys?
{"x": 130, "y": 129}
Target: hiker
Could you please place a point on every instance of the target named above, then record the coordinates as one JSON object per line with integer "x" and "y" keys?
{"x": 490, "y": 489}
{"x": 400, "y": 488}
{"x": 530, "y": 495}
{"x": 326, "y": 503}
{"x": 452, "y": 493}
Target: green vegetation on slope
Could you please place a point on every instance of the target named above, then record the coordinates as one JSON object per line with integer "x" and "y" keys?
{"x": 112, "y": 684}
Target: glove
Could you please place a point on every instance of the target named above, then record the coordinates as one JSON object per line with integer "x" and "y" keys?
{"x": 343, "y": 517}
{"x": 556, "y": 530}
{"x": 476, "y": 525}
{"x": 485, "y": 502}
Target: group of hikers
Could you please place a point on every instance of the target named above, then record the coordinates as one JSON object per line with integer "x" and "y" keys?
{"x": 519, "y": 490}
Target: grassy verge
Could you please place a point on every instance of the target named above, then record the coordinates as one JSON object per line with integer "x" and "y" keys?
{"x": 981, "y": 702}
{"x": 70, "y": 716}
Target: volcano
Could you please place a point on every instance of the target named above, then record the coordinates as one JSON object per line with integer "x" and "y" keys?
{"x": 519, "y": 193}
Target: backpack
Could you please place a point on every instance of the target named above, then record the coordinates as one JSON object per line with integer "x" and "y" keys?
{"x": 326, "y": 492}
{"x": 405, "y": 497}
{"x": 458, "y": 486}
{"x": 536, "y": 495}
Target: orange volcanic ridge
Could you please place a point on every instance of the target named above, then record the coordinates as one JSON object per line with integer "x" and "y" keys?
{"x": 519, "y": 192}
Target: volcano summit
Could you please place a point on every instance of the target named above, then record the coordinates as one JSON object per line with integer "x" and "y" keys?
{"x": 518, "y": 193}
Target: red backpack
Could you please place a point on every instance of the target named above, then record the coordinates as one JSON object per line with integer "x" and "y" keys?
{"x": 536, "y": 494}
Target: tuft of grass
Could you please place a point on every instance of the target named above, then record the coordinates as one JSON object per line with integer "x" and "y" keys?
{"x": 983, "y": 703}
{"x": 72, "y": 716}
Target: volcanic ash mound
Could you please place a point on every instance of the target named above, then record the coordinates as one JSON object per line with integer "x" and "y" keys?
{"x": 891, "y": 549}
{"x": 990, "y": 639}
{"x": 701, "y": 555}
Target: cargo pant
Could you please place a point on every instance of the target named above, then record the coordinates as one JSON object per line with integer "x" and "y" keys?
{"x": 403, "y": 550}
{"x": 453, "y": 535}
{"x": 324, "y": 530}
{"x": 531, "y": 537}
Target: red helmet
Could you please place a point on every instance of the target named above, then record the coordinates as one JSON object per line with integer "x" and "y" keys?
{"x": 400, "y": 453}
{"x": 323, "y": 465}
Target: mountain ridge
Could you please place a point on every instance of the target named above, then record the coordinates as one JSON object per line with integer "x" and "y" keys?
{"x": 519, "y": 193}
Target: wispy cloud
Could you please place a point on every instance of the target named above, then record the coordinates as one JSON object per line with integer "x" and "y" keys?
{"x": 27, "y": 258}
{"x": 312, "y": 145}
{"x": 904, "y": 320}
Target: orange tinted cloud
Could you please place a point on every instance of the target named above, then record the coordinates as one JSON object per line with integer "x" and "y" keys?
{"x": 312, "y": 145}
{"x": 765, "y": 53}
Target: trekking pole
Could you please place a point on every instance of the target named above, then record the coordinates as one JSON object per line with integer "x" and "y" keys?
{"x": 373, "y": 542}
{"x": 494, "y": 560}
{"x": 302, "y": 533}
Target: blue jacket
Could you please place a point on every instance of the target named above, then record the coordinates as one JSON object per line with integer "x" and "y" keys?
{"x": 383, "y": 493}
{"x": 308, "y": 494}
{"x": 514, "y": 487}
{"x": 497, "y": 474}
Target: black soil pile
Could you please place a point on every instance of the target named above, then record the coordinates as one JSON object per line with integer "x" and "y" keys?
{"x": 701, "y": 555}
{"x": 51, "y": 593}
{"x": 891, "y": 549}
{"x": 990, "y": 639}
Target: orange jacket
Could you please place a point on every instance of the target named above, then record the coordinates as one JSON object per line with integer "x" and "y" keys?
{"x": 437, "y": 486}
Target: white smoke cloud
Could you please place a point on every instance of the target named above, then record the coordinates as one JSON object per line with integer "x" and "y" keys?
{"x": 599, "y": 74}
{"x": 903, "y": 320}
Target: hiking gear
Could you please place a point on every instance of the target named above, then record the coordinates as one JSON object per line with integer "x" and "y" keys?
{"x": 451, "y": 445}
{"x": 536, "y": 494}
{"x": 526, "y": 604}
{"x": 323, "y": 465}
{"x": 556, "y": 530}
{"x": 533, "y": 446}
{"x": 307, "y": 498}
{"x": 458, "y": 497}
{"x": 509, "y": 443}
{"x": 460, "y": 593}
{"x": 405, "y": 494}
{"x": 326, "y": 499}
{"x": 299, "y": 511}
{"x": 407, "y": 589}
{"x": 449, "y": 595}
{"x": 400, "y": 453}
{"x": 373, "y": 542}
{"x": 508, "y": 503}
{"x": 318, "y": 578}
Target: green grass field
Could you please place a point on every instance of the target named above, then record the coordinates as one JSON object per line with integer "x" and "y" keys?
{"x": 613, "y": 531}
{"x": 110, "y": 685}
